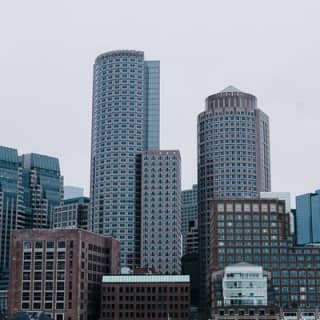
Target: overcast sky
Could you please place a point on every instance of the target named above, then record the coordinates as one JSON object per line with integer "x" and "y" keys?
{"x": 269, "y": 48}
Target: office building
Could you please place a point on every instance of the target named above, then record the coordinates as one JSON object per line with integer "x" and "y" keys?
{"x": 257, "y": 231}
{"x": 71, "y": 192}
{"x": 73, "y": 213}
{"x": 191, "y": 241}
{"x": 59, "y": 272}
{"x": 30, "y": 186}
{"x": 45, "y": 187}
{"x": 233, "y": 157}
{"x": 152, "y": 105}
{"x": 189, "y": 212}
{"x": 125, "y": 121}
{"x": 281, "y": 196}
{"x": 159, "y": 223}
{"x": 307, "y": 219}
{"x": 12, "y": 209}
{"x": 190, "y": 266}
{"x": 158, "y": 297}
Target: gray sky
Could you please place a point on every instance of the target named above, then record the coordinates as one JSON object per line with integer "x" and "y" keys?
{"x": 270, "y": 48}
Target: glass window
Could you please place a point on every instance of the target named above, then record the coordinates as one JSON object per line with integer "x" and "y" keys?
{"x": 27, "y": 245}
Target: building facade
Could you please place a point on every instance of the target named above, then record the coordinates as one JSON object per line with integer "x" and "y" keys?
{"x": 307, "y": 218}
{"x": 45, "y": 187}
{"x": 125, "y": 121}
{"x": 152, "y": 105}
{"x": 30, "y": 186}
{"x": 257, "y": 231}
{"x": 12, "y": 208}
{"x": 281, "y": 196}
{"x": 189, "y": 212}
{"x": 71, "y": 192}
{"x": 191, "y": 241}
{"x": 73, "y": 213}
{"x": 245, "y": 284}
{"x": 60, "y": 272}
{"x": 233, "y": 157}
{"x": 160, "y": 211}
{"x": 158, "y": 297}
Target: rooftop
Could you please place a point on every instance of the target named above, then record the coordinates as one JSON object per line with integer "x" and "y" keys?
{"x": 230, "y": 89}
{"x": 145, "y": 278}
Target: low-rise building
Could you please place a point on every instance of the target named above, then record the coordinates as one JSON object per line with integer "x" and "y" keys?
{"x": 59, "y": 272}
{"x": 245, "y": 284}
{"x": 158, "y": 297}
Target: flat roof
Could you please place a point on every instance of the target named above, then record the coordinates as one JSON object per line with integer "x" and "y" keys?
{"x": 145, "y": 278}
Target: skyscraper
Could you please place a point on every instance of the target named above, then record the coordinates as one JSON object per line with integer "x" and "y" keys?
{"x": 45, "y": 187}
{"x": 189, "y": 212}
{"x": 307, "y": 220}
{"x": 71, "y": 192}
{"x": 30, "y": 186}
{"x": 233, "y": 155}
{"x": 160, "y": 219}
{"x": 125, "y": 121}
{"x": 12, "y": 211}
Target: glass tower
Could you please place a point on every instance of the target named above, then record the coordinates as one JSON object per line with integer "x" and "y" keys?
{"x": 152, "y": 105}
{"x": 307, "y": 220}
{"x": 125, "y": 121}
{"x": 12, "y": 213}
{"x": 45, "y": 187}
{"x": 189, "y": 211}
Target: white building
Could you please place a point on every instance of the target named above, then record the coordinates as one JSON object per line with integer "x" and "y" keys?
{"x": 245, "y": 284}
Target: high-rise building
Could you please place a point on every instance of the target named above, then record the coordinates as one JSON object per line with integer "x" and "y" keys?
{"x": 73, "y": 213}
{"x": 257, "y": 231}
{"x": 60, "y": 272}
{"x": 71, "y": 192}
{"x": 125, "y": 121}
{"x": 12, "y": 208}
{"x": 159, "y": 223}
{"x": 30, "y": 185}
{"x": 189, "y": 212}
{"x": 45, "y": 187}
{"x": 281, "y": 196}
{"x": 191, "y": 240}
{"x": 307, "y": 219}
{"x": 233, "y": 157}
{"x": 152, "y": 105}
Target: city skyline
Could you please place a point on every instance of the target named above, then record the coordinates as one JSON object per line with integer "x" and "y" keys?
{"x": 278, "y": 72}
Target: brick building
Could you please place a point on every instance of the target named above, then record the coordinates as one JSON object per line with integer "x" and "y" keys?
{"x": 60, "y": 272}
{"x": 257, "y": 231}
{"x": 135, "y": 297}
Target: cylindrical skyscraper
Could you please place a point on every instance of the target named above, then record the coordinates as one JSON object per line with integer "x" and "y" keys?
{"x": 233, "y": 156}
{"x": 125, "y": 121}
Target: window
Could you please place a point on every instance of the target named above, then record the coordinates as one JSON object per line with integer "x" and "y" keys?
{"x": 38, "y": 245}
{"x": 50, "y": 244}
{"x": 61, "y": 244}
{"x": 27, "y": 245}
